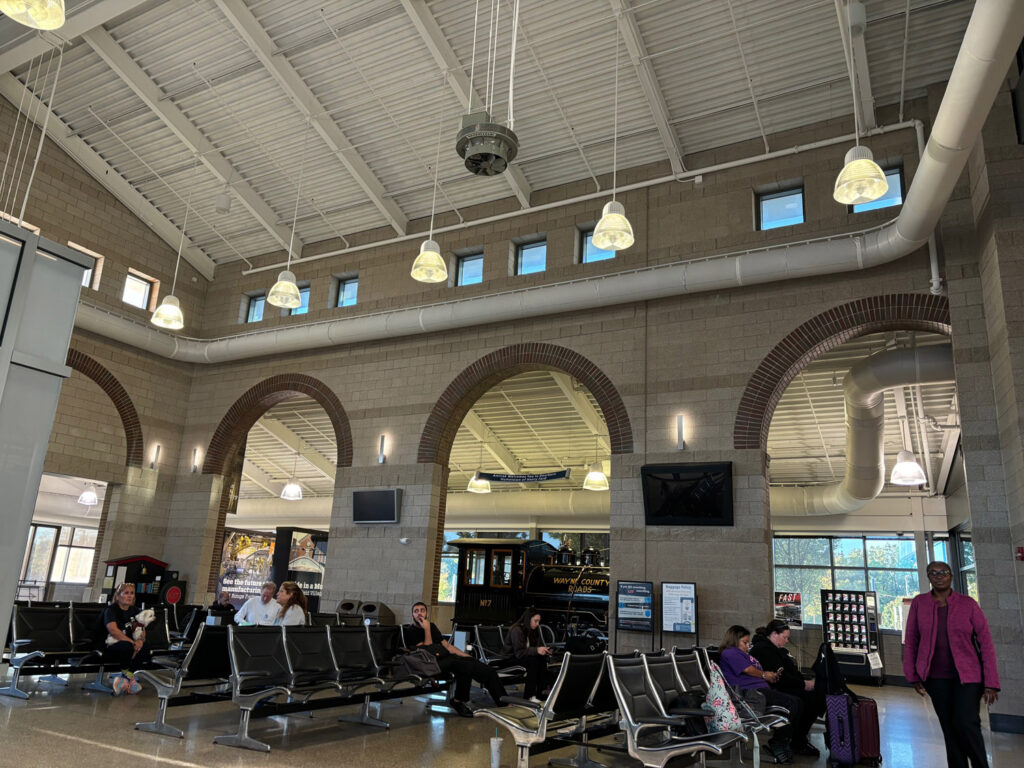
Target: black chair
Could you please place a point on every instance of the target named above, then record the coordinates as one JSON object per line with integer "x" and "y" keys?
{"x": 206, "y": 665}
{"x": 43, "y": 636}
{"x": 651, "y": 737}
{"x": 88, "y": 634}
{"x": 259, "y": 672}
{"x": 490, "y": 648}
{"x": 322, "y": 619}
{"x": 386, "y": 645}
{"x": 310, "y": 661}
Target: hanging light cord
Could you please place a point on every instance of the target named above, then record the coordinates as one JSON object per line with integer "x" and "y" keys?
{"x": 437, "y": 159}
{"x": 472, "y": 60}
{"x": 42, "y": 132}
{"x": 181, "y": 242}
{"x": 493, "y": 72}
{"x": 615, "y": 114}
{"x": 512, "y": 61}
{"x": 853, "y": 80}
{"x": 298, "y": 193}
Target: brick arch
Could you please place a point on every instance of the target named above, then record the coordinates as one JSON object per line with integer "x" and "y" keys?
{"x": 453, "y": 405}
{"x": 231, "y": 432}
{"x": 898, "y": 311}
{"x": 106, "y": 381}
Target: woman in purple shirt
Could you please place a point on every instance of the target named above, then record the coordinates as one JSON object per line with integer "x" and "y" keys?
{"x": 744, "y": 672}
{"x": 941, "y": 660}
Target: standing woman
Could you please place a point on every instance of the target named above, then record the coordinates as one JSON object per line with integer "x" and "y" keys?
{"x": 293, "y": 605}
{"x": 528, "y": 647}
{"x": 941, "y": 660}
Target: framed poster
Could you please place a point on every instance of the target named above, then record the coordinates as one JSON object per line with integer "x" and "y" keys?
{"x": 789, "y": 608}
{"x": 679, "y": 607}
{"x": 634, "y": 606}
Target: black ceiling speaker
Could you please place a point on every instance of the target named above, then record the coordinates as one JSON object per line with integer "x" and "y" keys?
{"x": 487, "y": 148}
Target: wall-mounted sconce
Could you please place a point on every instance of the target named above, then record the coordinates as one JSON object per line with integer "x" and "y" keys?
{"x": 156, "y": 457}
{"x": 680, "y": 441}
{"x": 195, "y": 460}
{"x": 381, "y": 458}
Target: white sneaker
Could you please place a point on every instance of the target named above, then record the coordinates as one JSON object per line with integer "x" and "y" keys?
{"x": 535, "y": 700}
{"x": 120, "y": 684}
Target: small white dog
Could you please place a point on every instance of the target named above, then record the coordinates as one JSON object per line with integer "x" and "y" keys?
{"x": 141, "y": 620}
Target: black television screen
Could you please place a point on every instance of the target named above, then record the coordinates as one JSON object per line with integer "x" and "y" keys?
{"x": 376, "y": 506}
{"x": 687, "y": 494}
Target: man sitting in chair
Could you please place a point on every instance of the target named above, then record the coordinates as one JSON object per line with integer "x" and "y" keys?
{"x": 465, "y": 669}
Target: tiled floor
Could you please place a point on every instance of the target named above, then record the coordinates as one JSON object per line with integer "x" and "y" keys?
{"x": 66, "y": 726}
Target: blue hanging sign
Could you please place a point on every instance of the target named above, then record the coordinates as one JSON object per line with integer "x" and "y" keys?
{"x": 496, "y": 478}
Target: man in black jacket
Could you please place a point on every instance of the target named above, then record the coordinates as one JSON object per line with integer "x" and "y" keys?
{"x": 769, "y": 648}
{"x": 425, "y": 634}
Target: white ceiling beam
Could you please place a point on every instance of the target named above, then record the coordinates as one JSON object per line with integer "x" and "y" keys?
{"x": 29, "y": 45}
{"x": 587, "y": 412}
{"x": 492, "y": 444}
{"x": 430, "y": 32}
{"x": 250, "y": 30}
{"x": 154, "y": 98}
{"x": 652, "y": 92}
{"x": 294, "y": 442}
{"x": 60, "y": 134}
{"x": 256, "y": 475}
{"x": 855, "y": 42}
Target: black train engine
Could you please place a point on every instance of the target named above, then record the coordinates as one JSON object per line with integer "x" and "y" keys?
{"x": 499, "y": 578}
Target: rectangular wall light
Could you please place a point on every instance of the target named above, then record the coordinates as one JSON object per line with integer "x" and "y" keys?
{"x": 680, "y": 441}
{"x": 381, "y": 458}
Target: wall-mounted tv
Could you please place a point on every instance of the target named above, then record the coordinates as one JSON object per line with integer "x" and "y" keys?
{"x": 377, "y": 506}
{"x": 687, "y": 494}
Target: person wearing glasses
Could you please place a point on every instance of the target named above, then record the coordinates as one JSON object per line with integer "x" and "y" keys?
{"x": 949, "y": 657}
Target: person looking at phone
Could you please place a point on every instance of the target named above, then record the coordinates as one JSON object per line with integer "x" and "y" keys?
{"x": 464, "y": 668}
{"x": 528, "y": 647}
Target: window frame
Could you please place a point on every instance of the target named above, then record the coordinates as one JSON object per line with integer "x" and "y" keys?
{"x": 247, "y": 309}
{"x": 584, "y": 235}
{"x": 521, "y": 248}
{"x": 305, "y": 289}
{"x": 70, "y": 546}
{"x": 90, "y": 277}
{"x": 153, "y": 292}
{"x": 761, "y": 197}
{"x": 339, "y": 286}
{"x": 460, "y": 263}
{"x": 898, "y": 169}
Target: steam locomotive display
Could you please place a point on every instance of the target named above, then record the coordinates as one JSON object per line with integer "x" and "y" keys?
{"x": 499, "y": 578}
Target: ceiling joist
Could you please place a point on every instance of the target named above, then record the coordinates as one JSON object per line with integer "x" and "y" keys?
{"x": 294, "y": 442}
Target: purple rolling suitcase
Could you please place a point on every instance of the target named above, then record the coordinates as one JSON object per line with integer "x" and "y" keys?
{"x": 841, "y": 729}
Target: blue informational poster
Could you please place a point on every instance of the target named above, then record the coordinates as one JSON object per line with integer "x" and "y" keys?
{"x": 635, "y": 606}
{"x": 679, "y": 607}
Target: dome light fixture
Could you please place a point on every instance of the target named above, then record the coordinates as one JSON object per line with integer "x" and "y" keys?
{"x": 88, "y": 498}
{"x": 429, "y": 266}
{"x": 285, "y": 292}
{"x": 596, "y": 479}
{"x": 291, "y": 490}
{"x": 614, "y": 232}
{"x": 37, "y": 14}
{"x": 479, "y": 484}
{"x": 168, "y": 315}
{"x": 907, "y": 471}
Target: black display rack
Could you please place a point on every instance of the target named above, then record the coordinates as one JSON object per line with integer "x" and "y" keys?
{"x": 849, "y": 621}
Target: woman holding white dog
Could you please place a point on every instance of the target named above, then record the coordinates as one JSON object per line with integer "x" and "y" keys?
{"x": 127, "y": 650}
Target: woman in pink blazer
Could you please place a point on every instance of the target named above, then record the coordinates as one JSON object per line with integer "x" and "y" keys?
{"x": 950, "y": 657}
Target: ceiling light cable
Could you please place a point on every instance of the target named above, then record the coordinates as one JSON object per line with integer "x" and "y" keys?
{"x": 42, "y": 130}
{"x": 512, "y": 62}
{"x": 472, "y": 61}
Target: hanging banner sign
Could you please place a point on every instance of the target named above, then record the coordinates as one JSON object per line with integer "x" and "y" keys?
{"x": 495, "y": 478}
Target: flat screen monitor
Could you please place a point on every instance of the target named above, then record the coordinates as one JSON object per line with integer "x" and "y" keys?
{"x": 687, "y": 494}
{"x": 377, "y": 506}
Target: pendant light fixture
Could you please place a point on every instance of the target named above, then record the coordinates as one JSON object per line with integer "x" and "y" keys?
{"x": 38, "y": 14}
{"x": 291, "y": 490}
{"x": 907, "y": 471}
{"x": 88, "y": 498}
{"x": 285, "y": 292}
{"x": 596, "y": 479}
{"x": 861, "y": 180}
{"x": 478, "y": 484}
{"x": 168, "y": 315}
{"x": 429, "y": 266}
{"x": 614, "y": 232}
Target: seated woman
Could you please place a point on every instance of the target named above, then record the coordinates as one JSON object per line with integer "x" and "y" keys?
{"x": 128, "y": 653}
{"x": 293, "y": 605}
{"x": 528, "y": 647}
{"x": 745, "y": 672}
{"x": 769, "y": 648}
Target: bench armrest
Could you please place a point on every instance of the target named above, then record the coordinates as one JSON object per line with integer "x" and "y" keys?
{"x": 521, "y": 702}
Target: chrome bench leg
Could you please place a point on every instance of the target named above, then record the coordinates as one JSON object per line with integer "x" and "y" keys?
{"x": 364, "y": 717}
{"x": 241, "y": 739}
{"x": 12, "y": 689}
{"x": 55, "y": 679}
{"x": 159, "y": 725}
{"x": 97, "y": 684}
{"x": 581, "y": 759}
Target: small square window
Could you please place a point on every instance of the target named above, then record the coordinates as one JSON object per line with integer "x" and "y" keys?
{"x": 138, "y": 290}
{"x": 589, "y": 252}
{"x": 893, "y": 196}
{"x": 303, "y": 308}
{"x": 256, "y": 306}
{"x": 471, "y": 270}
{"x": 91, "y": 277}
{"x": 531, "y": 258}
{"x": 780, "y": 209}
{"x": 87, "y": 278}
{"x": 348, "y": 292}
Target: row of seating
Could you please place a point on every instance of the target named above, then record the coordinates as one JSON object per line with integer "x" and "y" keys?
{"x": 257, "y": 667}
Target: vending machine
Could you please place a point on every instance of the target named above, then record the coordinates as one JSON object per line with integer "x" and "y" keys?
{"x": 849, "y": 621}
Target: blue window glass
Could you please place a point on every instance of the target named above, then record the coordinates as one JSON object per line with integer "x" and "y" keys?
{"x": 590, "y": 252}
{"x": 531, "y": 258}
{"x": 780, "y": 209}
{"x": 256, "y": 305}
{"x": 303, "y": 308}
{"x": 471, "y": 270}
{"x": 893, "y": 196}
{"x": 348, "y": 291}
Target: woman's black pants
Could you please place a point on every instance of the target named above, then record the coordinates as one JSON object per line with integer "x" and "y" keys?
{"x": 958, "y": 706}
{"x": 537, "y": 676}
{"x": 120, "y": 653}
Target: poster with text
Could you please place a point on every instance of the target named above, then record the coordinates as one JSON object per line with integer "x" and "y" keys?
{"x": 679, "y": 607}
{"x": 635, "y": 606}
{"x": 789, "y": 608}
{"x": 245, "y": 564}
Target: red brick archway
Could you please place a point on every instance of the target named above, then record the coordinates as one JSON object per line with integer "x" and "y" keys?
{"x": 453, "y": 405}
{"x": 899, "y": 311}
{"x": 228, "y": 442}
{"x": 106, "y": 381}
